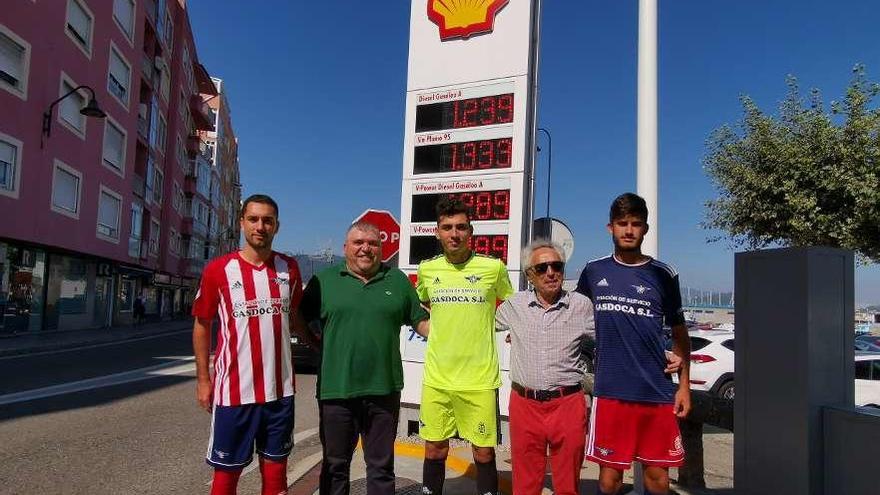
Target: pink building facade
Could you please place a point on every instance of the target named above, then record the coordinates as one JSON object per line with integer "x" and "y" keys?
{"x": 100, "y": 211}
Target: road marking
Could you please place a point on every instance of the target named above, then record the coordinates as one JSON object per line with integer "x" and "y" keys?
{"x": 165, "y": 369}
{"x": 96, "y": 346}
{"x": 308, "y": 462}
{"x": 302, "y": 467}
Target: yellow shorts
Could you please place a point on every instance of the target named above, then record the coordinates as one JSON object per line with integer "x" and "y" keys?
{"x": 469, "y": 414}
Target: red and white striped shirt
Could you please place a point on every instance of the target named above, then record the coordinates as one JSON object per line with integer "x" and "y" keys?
{"x": 252, "y": 362}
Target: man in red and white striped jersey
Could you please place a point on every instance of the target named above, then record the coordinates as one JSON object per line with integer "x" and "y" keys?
{"x": 254, "y": 292}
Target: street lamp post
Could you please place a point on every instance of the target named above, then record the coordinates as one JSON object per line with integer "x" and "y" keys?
{"x": 92, "y": 109}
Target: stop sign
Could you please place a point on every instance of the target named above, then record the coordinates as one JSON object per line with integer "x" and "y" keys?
{"x": 389, "y": 230}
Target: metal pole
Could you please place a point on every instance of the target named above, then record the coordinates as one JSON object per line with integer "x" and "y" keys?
{"x": 647, "y": 120}
{"x": 647, "y": 145}
{"x": 549, "y": 170}
{"x": 531, "y": 127}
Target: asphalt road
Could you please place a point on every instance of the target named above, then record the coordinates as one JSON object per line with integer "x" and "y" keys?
{"x": 142, "y": 435}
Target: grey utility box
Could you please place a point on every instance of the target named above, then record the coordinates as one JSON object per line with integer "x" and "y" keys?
{"x": 794, "y": 355}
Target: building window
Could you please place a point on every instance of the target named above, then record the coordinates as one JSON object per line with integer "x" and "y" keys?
{"x": 79, "y": 25}
{"x": 181, "y": 155}
{"x": 68, "y": 108}
{"x": 123, "y": 13}
{"x": 174, "y": 242}
{"x": 169, "y": 33}
{"x": 126, "y": 295}
{"x": 119, "y": 76}
{"x": 66, "y": 184}
{"x": 176, "y": 202}
{"x": 203, "y": 178}
{"x": 10, "y": 165}
{"x": 158, "y": 181}
{"x": 149, "y": 180}
{"x": 114, "y": 145}
{"x": 161, "y": 129}
{"x": 165, "y": 84}
{"x": 137, "y": 221}
{"x": 187, "y": 69}
{"x": 109, "y": 206}
{"x": 15, "y": 55}
{"x": 181, "y": 108}
{"x": 154, "y": 237}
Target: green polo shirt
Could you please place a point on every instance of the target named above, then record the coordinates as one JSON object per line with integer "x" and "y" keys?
{"x": 360, "y": 340}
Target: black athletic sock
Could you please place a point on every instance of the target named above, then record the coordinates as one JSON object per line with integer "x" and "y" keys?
{"x": 487, "y": 478}
{"x": 647, "y": 492}
{"x": 433, "y": 476}
{"x": 600, "y": 492}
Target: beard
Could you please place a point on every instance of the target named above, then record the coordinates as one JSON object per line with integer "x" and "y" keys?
{"x": 263, "y": 243}
{"x": 628, "y": 248}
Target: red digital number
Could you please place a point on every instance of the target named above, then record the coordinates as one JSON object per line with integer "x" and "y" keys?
{"x": 483, "y": 206}
{"x": 504, "y": 113}
{"x": 503, "y": 152}
{"x": 481, "y": 244}
{"x": 499, "y": 247}
{"x": 501, "y": 205}
{"x": 486, "y": 155}
{"x": 487, "y": 110}
{"x": 490, "y": 245}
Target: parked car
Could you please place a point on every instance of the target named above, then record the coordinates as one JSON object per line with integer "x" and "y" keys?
{"x": 866, "y": 345}
{"x": 304, "y": 357}
{"x": 868, "y": 379}
{"x": 712, "y": 362}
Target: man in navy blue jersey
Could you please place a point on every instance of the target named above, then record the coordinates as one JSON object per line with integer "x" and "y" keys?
{"x": 636, "y": 402}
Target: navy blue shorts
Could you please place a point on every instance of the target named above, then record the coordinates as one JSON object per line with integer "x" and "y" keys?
{"x": 235, "y": 430}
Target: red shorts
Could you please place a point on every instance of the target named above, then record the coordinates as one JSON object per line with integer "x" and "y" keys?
{"x": 621, "y": 431}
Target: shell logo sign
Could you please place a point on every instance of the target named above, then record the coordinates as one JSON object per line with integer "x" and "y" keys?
{"x": 464, "y": 18}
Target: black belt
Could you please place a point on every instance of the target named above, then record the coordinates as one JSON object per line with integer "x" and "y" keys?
{"x": 544, "y": 395}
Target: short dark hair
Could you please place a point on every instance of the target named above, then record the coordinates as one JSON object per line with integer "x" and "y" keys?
{"x": 447, "y": 207}
{"x": 258, "y": 198}
{"x": 628, "y": 204}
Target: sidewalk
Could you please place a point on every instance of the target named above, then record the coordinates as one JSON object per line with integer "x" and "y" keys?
{"x": 460, "y": 473}
{"x": 31, "y": 342}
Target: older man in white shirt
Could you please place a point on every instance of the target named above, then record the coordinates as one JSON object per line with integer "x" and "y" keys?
{"x": 547, "y": 406}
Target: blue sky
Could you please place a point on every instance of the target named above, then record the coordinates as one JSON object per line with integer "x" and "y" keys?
{"x": 317, "y": 94}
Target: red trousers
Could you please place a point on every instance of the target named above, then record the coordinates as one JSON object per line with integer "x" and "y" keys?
{"x": 560, "y": 424}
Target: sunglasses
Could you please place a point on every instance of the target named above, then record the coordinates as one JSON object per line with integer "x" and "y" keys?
{"x": 541, "y": 268}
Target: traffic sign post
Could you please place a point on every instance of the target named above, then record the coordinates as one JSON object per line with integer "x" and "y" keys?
{"x": 389, "y": 231}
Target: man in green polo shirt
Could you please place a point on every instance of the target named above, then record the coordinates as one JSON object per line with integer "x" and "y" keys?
{"x": 361, "y": 305}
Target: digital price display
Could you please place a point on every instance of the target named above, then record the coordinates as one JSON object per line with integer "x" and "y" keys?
{"x": 485, "y": 154}
{"x": 425, "y": 247}
{"x": 460, "y": 114}
{"x": 484, "y": 205}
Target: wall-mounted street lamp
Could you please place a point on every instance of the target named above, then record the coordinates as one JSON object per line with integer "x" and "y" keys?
{"x": 92, "y": 109}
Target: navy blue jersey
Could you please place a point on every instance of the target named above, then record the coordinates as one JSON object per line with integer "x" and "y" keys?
{"x": 632, "y": 302}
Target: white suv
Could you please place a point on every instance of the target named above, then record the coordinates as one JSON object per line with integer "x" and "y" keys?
{"x": 712, "y": 362}
{"x": 868, "y": 379}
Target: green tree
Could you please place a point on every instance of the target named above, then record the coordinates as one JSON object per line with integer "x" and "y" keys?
{"x": 807, "y": 177}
